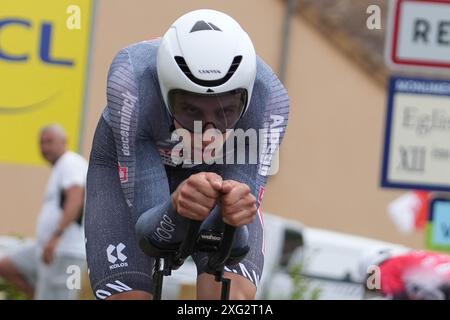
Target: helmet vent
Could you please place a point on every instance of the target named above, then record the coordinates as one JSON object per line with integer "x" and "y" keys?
{"x": 202, "y": 25}
{"x": 208, "y": 83}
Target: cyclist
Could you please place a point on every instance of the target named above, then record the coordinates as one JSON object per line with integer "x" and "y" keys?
{"x": 408, "y": 274}
{"x": 202, "y": 78}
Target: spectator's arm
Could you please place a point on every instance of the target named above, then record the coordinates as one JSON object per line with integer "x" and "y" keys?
{"x": 73, "y": 204}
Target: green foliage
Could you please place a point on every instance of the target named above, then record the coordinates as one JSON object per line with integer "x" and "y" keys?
{"x": 302, "y": 287}
{"x": 9, "y": 292}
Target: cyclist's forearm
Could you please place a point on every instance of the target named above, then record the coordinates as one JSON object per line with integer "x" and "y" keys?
{"x": 162, "y": 225}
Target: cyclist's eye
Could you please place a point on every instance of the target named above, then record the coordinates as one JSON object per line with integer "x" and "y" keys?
{"x": 191, "y": 110}
{"x": 229, "y": 112}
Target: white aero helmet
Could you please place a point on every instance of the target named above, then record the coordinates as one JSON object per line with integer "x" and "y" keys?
{"x": 206, "y": 52}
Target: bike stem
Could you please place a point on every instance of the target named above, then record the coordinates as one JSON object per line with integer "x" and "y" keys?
{"x": 187, "y": 246}
{"x": 218, "y": 260}
{"x": 158, "y": 277}
{"x": 216, "y": 263}
{"x": 173, "y": 260}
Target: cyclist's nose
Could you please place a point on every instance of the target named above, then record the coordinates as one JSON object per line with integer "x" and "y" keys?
{"x": 210, "y": 117}
{"x": 208, "y": 125}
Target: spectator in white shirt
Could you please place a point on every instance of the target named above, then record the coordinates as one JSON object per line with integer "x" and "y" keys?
{"x": 40, "y": 268}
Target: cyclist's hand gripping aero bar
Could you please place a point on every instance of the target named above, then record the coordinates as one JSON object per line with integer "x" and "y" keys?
{"x": 225, "y": 244}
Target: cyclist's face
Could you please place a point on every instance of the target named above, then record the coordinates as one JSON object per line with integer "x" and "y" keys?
{"x": 221, "y": 111}
{"x": 212, "y": 112}
{"x": 52, "y": 145}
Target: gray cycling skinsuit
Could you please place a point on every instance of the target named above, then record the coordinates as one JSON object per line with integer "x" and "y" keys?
{"x": 131, "y": 170}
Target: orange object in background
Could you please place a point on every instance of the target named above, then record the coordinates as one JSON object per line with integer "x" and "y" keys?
{"x": 423, "y": 210}
{"x": 410, "y": 211}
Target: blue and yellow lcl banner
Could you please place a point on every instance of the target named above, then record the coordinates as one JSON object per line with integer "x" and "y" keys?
{"x": 44, "y": 51}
